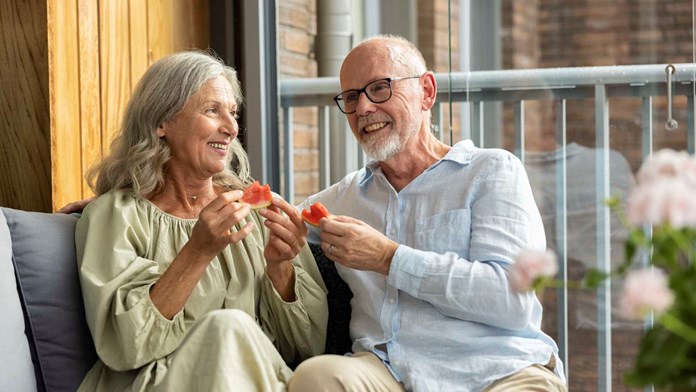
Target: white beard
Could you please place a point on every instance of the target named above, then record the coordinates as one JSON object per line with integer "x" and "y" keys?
{"x": 382, "y": 149}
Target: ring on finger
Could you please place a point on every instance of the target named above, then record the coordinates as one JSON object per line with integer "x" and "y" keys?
{"x": 331, "y": 249}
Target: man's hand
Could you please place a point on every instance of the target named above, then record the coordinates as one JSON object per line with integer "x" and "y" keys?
{"x": 355, "y": 244}
{"x": 76, "y": 206}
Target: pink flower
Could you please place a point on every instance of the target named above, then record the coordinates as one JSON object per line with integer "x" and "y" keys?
{"x": 530, "y": 265}
{"x": 663, "y": 200}
{"x": 645, "y": 290}
{"x": 666, "y": 183}
{"x": 667, "y": 163}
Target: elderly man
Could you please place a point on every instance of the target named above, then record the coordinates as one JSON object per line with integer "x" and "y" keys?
{"x": 424, "y": 236}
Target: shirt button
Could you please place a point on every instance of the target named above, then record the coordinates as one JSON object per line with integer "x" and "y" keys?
{"x": 392, "y": 301}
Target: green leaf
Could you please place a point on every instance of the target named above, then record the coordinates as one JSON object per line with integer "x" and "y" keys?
{"x": 664, "y": 360}
{"x": 613, "y": 202}
{"x": 594, "y": 277}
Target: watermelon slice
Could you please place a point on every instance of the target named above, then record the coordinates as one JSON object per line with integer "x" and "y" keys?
{"x": 257, "y": 195}
{"x": 315, "y": 213}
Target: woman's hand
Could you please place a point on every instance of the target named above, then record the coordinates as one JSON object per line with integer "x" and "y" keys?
{"x": 286, "y": 239}
{"x": 288, "y": 232}
{"x": 212, "y": 233}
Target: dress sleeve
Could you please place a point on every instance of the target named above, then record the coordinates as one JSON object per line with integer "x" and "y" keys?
{"x": 128, "y": 331}
{"x": 504, "y": 220}
{"x": 298, "y": 328}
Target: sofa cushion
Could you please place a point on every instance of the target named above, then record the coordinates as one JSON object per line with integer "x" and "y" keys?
{"x": 338, "y": 298}
{"x": 43, "y": 247}
{"x": 16, "y": 369}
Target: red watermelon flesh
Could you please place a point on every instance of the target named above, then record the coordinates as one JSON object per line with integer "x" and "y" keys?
{"x": 257, "y": 195}
{"x": 315, "y": 213}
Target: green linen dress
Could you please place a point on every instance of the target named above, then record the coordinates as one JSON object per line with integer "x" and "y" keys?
{"x": 124, "y": 243}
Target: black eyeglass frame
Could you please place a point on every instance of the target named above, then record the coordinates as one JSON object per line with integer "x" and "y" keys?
{"x": 364, "y": 90}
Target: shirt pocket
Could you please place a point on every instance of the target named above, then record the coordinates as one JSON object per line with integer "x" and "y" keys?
{"x": 446, "y": 232}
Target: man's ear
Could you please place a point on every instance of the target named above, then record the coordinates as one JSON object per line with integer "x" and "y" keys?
{"x": 429, "y": 91}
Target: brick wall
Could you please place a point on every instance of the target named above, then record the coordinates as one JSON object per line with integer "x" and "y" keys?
{"x": 433, "y": 34}
{"x": 521, "y": 43}
{"x": 297, "y": 30}
{"x": 433, "y": 42}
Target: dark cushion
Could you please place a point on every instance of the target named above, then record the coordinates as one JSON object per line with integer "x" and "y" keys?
{"x": 43, "y": 247}
{"x": 338, "y": 330}
{"x": 16, "y": 368}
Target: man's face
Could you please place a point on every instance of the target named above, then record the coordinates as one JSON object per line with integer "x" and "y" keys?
{"x": 382, "y": 129}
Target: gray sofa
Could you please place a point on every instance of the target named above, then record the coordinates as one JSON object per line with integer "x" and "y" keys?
{"x": 44, "y": 339}
{"x": 45, "y": 344}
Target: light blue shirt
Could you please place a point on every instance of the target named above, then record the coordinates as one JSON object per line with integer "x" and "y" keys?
{"x": 445, "y": 311}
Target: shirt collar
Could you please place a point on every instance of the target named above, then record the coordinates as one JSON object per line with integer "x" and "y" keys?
{"x": 370, "y": 169}
{"x": 461, "y": 152}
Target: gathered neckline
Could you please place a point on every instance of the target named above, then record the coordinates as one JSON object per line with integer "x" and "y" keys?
{"x": 164, "y": 213}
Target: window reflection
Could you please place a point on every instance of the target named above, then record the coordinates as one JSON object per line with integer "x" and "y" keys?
{"x": 470, "y": 36}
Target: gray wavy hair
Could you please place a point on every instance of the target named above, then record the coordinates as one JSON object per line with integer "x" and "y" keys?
{"x": 138, "y": 158}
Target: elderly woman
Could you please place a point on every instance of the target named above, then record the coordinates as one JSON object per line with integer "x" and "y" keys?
{"x": 185, "y": 287}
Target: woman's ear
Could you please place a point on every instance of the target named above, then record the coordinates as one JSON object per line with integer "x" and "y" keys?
{"x": 429, "y": 91}
{"x": 160, "y": 131}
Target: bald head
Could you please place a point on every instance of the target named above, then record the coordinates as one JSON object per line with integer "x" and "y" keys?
{"x": 388, "y": 54}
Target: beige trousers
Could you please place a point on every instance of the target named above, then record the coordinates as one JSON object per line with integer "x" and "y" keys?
{"x": 333, "y": 373}
{"x": 364, "y": 372}
{"x": 225, "y": 351}
{"x": 536, "y": 378}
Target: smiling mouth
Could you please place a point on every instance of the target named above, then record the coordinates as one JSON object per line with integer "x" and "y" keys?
{"x": 375, "y": 126}
{"x": 218, "y": 146}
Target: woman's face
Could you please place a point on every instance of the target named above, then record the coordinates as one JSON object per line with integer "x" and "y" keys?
{"x": 201, "y": 133}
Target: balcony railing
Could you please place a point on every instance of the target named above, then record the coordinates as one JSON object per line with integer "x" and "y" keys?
{"x": 478, "y": 90}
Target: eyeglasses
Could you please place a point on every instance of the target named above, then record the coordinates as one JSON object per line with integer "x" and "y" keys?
{"x": 377, "y": 91}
